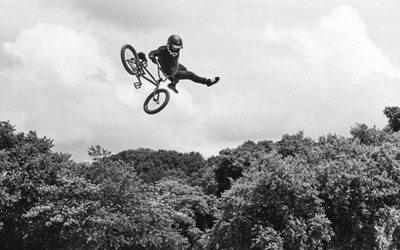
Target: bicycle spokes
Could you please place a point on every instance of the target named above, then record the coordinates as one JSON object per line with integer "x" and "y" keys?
{"x": 133, "y": 66}
{"x": 156, "y": 101}
{"x": 131, "y": 61}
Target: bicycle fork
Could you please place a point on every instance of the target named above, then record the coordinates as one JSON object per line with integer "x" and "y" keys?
{"x": 156, "y": 96}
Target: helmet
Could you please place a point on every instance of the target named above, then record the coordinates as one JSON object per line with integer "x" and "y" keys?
{"x": 175, "y": 42}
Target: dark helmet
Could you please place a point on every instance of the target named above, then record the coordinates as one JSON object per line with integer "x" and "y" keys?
{"x": 175, "y": 42}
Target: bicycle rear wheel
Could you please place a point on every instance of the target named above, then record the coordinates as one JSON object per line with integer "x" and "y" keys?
{"x": 156, "y": 101}
{"x": 129, "y": 59}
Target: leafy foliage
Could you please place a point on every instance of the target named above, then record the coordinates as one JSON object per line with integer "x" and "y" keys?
{"x": 276, "y": 203}
{"x": 153, "y": 165}
{"x": 296, "y": 193}
{"x": 231, "y": 162}
{"x": 336, "y": 194}
{"x": 50, "y": 202}
{"x": 393, "y": 114}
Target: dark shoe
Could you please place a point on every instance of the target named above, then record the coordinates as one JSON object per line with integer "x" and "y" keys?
{"x": 172, "y": 87}
{"x": 213, "y": 81}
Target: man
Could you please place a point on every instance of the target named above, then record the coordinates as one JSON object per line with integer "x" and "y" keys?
{"x": 168, "y": 56}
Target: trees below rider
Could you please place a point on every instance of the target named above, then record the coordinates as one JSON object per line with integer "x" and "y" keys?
{"x": 48, "y": 201}
{"x": 297, "y": 193}
{"x": 393, "y": 114}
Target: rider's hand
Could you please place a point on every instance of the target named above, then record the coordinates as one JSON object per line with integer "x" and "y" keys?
{"x": 153, "y": 59}
{"x": 142, "y": 56}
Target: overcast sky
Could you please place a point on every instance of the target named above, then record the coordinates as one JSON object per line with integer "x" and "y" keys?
{"x": 285, "y": 66}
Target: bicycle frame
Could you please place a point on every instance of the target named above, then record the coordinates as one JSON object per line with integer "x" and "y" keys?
{"x": 136, "y": 64}
{"x": 142, "y": 66}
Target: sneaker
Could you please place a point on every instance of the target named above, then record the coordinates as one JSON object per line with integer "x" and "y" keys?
{"x": 213, "y": 81}
{"x": 172, "y": 87}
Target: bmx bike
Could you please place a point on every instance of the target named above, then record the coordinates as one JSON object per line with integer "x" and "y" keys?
{"x": 136, "y": 64}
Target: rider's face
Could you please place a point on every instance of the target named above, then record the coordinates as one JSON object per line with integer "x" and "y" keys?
{"x": 175, "y": 48}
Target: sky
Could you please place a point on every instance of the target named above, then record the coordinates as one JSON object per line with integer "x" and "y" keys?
{"x": 286, "y": 66}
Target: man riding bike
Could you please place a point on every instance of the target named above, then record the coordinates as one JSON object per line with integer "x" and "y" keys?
{"x": 168, "y": 56}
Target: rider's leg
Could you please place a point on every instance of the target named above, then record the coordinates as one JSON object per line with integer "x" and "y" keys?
{"x": 184, "y": 74}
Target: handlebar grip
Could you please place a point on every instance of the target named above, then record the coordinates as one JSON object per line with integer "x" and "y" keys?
{"x": 142, "y": 56}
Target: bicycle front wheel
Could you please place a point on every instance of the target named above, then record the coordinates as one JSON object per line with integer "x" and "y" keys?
{"x": 156, "y": 101}
{"x": 129, "y": 59}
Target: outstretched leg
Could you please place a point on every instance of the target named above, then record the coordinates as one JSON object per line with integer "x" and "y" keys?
{"x": 184, "y": 74}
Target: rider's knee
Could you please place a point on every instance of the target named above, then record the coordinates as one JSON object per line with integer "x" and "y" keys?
{"x": 181, "y": 67}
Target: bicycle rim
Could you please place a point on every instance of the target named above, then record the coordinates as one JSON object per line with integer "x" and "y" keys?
{"x": 129, "y": 57}
{"x": 156, "y": 101}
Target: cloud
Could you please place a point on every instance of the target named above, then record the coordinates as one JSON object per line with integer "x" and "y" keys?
{"x": 55, "y": 54}
{"x": 62, "y": 82}
{"x": 340, "y": 40}
{"x": 321, "y": 79}
{"x": 337, "y": 66}
{"x": 139, "y": 15}
{"x": 68, "y": 88}
{"x": 65, "y": 80}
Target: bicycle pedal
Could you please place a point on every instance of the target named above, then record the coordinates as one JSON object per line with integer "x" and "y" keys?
{"x": 137, "y": 85}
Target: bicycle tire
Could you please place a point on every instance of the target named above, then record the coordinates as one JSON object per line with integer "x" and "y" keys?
{"x": 127, "y": 54}
{"x": 153, "y": 104}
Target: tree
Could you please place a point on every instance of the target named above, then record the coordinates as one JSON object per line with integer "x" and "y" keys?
{"x": 196, "y": 210}
{"x": 359, "y": 185}
{"x": 230, "y": 165}
{"x": 274, "y": 206}
{"x": 336, "y": 193}
{"x": 47, "y": 201}
{"x": 292, "y": 145}
{"x": 97, "y": 153}
{"x": 297, "y": 193}
{"x": 26, "y": 165}
{"x": 368, "y": 136}
{"x": 393, "y": 114}
{"x": 153, "y": 165}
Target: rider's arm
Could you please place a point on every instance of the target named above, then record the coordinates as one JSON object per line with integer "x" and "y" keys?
{"x": 153, "y": 54}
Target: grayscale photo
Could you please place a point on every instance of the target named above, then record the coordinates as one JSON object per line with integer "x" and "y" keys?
{"x": 215, "y": 125}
